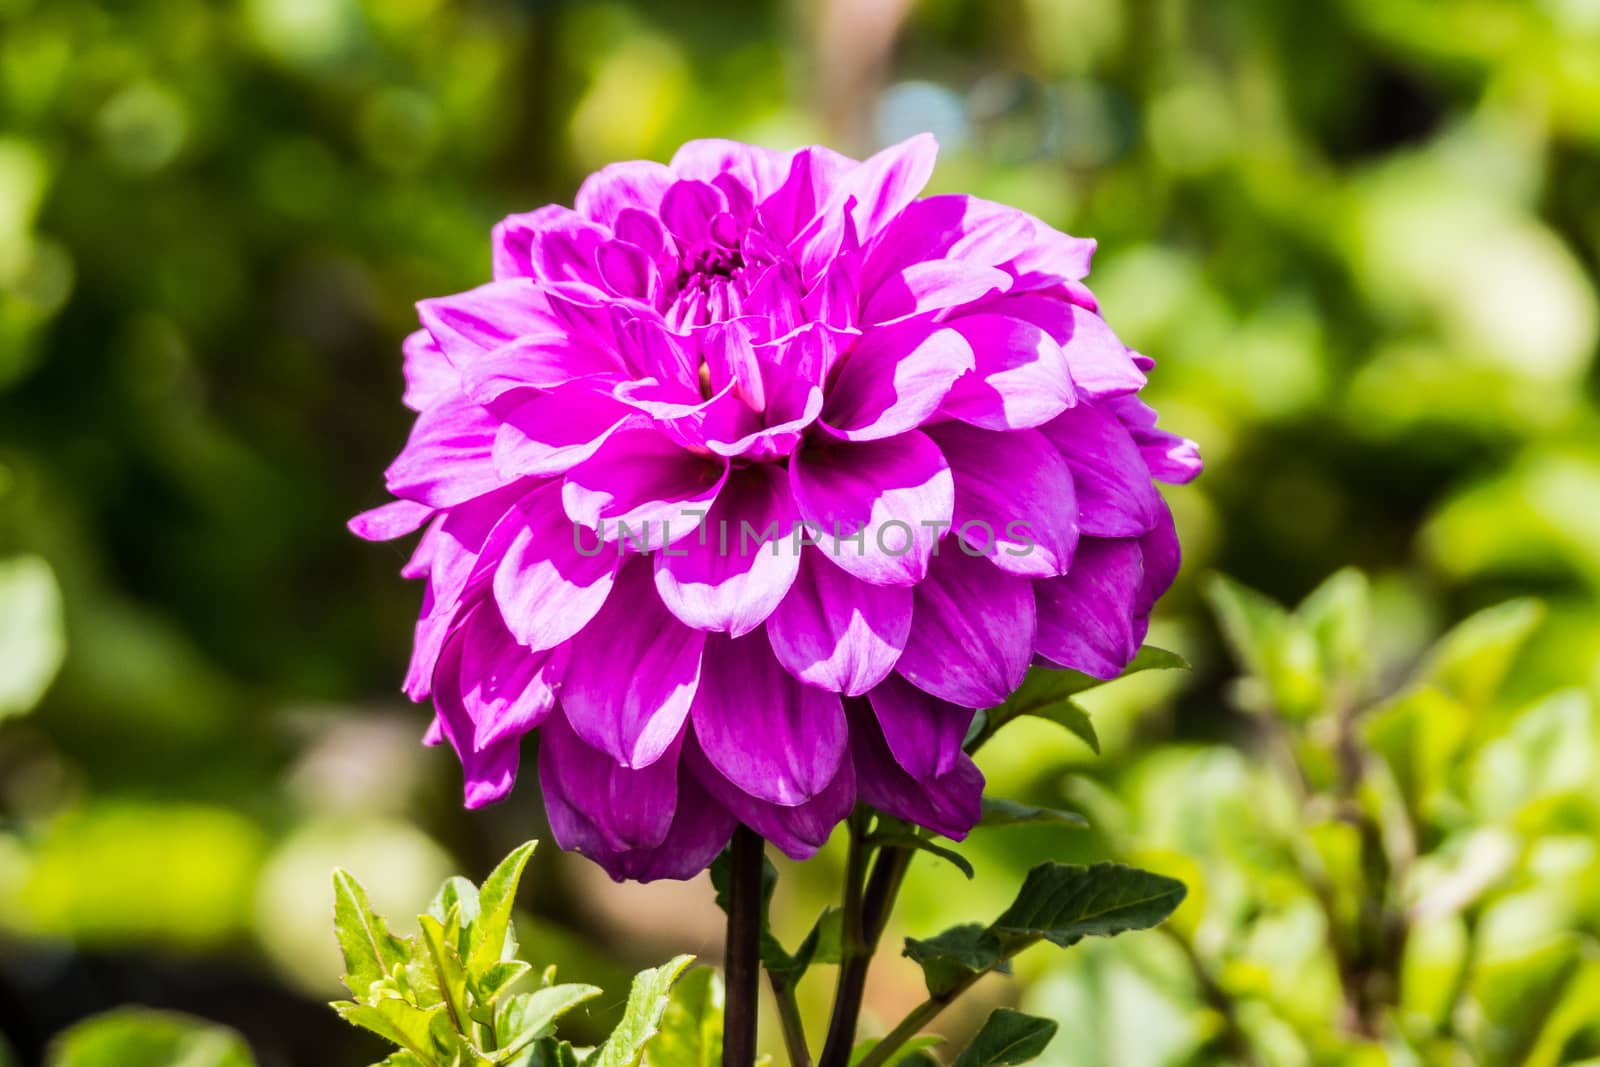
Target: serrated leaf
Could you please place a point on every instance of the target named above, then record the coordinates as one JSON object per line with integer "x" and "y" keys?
{"x": 955, "y": 956}
{"x": 1007, "y": 1037}
{"x": 997, "y": 811}
{"x": 1070, "y": 716}
{"x": 406, "y": 1025}
{"x": 401, "y": 1059}
{"x": 529, "y": 1017}
{"x": 370, "y": 950}
{"x": 647, "y": 1002}
{"x": 492, "y": 935}
{"x": 488, "y": 987}
{"x": 448, "y": 970}
{"x": 1064, "y": 904}
{"x": 690, "y": 1033}
{"x": 459, "y": 894}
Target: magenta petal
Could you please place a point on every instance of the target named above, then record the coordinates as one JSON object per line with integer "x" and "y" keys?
{"x": 447, "y": 459}
{"x": 759, "y": 170}
{"x": 835, "y": 631}
{"x": 924, "y": 733}
{"x": 597, "y": 810}
{"x": 950, "y": 804}
{"x": 394, "y": 519}
{"x": 883, "y": 185}
{"x": 641, "y": 486}
{"x": 431, "y": 379}
{"x": 614, "y": 188}
{"x": 797, "y": 830}
{"x": 1015, "y": 501}
{"x": 468, "y": 324}
{"x": 1115, "y": 495}
{"x": 894, "y": 379}
{"x": 932, "y": 286}
{"x": 1171, "y": 459}
{"x": 772, "y": 737}
{"x": 549, "y": 432}
{"x": 876, "y": 507}
{"x": 506, "y": 689}
{"x": 488, "y": 771}
{"x": 538, "y": 361}
{"x": 598, "y": 805}
{"x": 552, "y": 578}
{"x": 1086, "y": 618}
{"x": 633, "y": 673}
{"x": 1101, "y": 365}
{"x": 1162, "y": 556}
{"x": 1020, "y": 378}
{"x": 552, "y": 244}
{"x": 735, "y": 572}
{"x": 972, "y": 631}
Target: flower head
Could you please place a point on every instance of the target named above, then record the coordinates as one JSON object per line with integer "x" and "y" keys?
{"x": 748, "y": 479}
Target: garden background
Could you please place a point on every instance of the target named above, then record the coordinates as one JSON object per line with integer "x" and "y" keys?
{"x": 1361, "y": 238}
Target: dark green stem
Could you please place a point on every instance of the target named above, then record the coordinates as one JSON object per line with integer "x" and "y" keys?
{"x": 875, "y": 903}
{"x": 742, "y": 963}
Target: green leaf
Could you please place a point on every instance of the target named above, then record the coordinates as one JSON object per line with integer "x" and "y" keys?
{"x": 1007, "y": 1037}
{"x": 132, "y": 1037}
{"x": 897, "y": 837}
{"x": 1276, "y": 648}
{"x": 370, "y": 951}
{"x": 1337, "y": 614}
{"x": 448, "y": 970}
{"x": 487, "y": 988}
{"x": 529, "y": 1017}
{"x": 406, "y": 1025}
{"x": 824, "y": 943}
{"x": 457, "y": 893}
{"x": 493, "y": 938}
{"x": 32, "y": 634}
{"x": 913, "y": 1053}
{"x": 1472, "y": 660}
{"x": 1064, "y": 904}
{"x": 951, "y": 959}
{"x": 691, "y": 1028}
{"x": 1047, "y": 694}
{"x": 647, "y": 1002}
{"x": 998, "y": 811}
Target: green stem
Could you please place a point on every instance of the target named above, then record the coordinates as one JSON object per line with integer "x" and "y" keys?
{"x": 794, "y": 1031}
{"x": 888, "y": 872}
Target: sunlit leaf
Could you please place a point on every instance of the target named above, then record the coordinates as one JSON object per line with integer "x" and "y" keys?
{"x": 647, "y": 1003}
{"x": 950, "y": 959}
{"x": 1064, "y": 904}
{"x": 137, "y": 1036}
{"x": 1007, "y": 1037}
{"x": 492, "y": 935}
{"x": 370, "y": 951}
{"x": 528, "y": 1017}
{"x": 690, "y": 1033}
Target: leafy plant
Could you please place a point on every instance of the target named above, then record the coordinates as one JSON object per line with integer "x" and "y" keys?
{"x": 457, "y": 995}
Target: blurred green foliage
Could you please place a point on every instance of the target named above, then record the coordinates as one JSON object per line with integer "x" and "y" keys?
{"x": 1361, "y": 237}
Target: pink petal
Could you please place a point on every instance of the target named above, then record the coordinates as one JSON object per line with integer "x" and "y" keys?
{"x": 798, "y": 830}
{"x": 394, "y": 519}
{"x": 949, "y": 804}
{"x": 1020, "y": 378}
{"x": 1086, "y": 619}
{"x": 924, "y": 733}
{"x": 772, "y": 737}
{"x": 972, "y": 631}
{"x": 894, "y": 379}
{"x": 552, "y": 578}
{"x": 551, "y": 431}
{"x": 431, "y": 379}
{"x": 895, "y": 494}
{"x": 447, "y": 459}
{"x": 1101, "y": 365}
{"x": 836, "y": 631}
{"x": 633, "y": 673}
{"x": 760, "y": 170}
{"x": 1115, "y": 495}
{"x": 732, "y": 576}
{"x": 937, "y": 285}
{"x": 506, "y": 689}
{"x": 640, "y": 485}
{"x": 614, "y": 188}
{"x": 1014, "y": 501}
{"x": 596, "y": 805}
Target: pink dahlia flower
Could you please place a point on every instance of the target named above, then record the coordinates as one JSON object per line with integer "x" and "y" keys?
{"x": 748, "y": 479}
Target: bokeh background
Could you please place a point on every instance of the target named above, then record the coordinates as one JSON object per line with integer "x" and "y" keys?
{"x": 1360, "y": 237}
